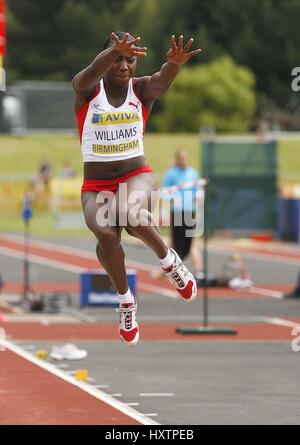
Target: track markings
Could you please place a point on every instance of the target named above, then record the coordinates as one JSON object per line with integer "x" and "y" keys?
{"x": 42, "y": 261}
{"x": 57, "y": 264}
{"x": 281, "y": 322}
{"x": 63, "y": 365}
{"x": 159, "y": 290}
{"x": 97, "y": 393}
{"x": 156, "y": 394}
{"x": 266, "y": 292}
{"x": 259, "y": 256}
{"x": 150, "y": 414}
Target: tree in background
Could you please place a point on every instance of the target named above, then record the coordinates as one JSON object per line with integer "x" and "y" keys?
{"x": 219, "y": 94}
{"x": 54, "y": 39}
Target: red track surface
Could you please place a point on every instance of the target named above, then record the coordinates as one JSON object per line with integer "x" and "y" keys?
{"x": 144, "y": 277}
{"x": 34, "y": 396}
{"x": 148, "y": 331}
{"x": 31, "y": 395}
{"x": 214, "y": 292}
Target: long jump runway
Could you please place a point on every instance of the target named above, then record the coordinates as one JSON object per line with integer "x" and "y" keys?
{"x": 168, "y": 378}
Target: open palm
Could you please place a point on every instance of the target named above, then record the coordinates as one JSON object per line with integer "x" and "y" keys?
{"x": 179, "y": 54}
{"x": 128, "y": 48}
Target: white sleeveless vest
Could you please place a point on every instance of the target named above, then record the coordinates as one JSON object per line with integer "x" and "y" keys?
{"x": 108, "y": 133}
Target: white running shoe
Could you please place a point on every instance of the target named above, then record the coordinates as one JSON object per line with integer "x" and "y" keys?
{"x": 128, "y": 327}
{"x": 182, "y": 279}
{"x": 67, "y": 352}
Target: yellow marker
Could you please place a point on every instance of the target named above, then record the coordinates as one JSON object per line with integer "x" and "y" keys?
{"x": 82, "y": 374}
{"x": 42, "y": 354}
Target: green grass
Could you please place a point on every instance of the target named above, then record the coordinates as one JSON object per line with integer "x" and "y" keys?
{"x": 24, "y": 154}
{"x": 42, "y": 224}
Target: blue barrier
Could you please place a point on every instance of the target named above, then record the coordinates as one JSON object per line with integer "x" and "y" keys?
{"x": 97, "y": 290}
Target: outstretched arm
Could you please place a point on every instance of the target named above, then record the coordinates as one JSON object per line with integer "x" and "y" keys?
{"x": 153, "y": 87}
{"x": 85, "y": 82}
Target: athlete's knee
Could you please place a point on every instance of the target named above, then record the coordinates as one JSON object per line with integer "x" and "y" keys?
{"x": 140, "y": 218}
{"x": 132, "y": 232}
{"x": 107, "y": 237}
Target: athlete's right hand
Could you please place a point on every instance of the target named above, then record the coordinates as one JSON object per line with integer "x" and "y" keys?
{"x": 128, "y": 48}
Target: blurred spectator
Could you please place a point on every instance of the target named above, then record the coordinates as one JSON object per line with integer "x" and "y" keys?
{"x": 185, "y": 204}
{"x": 262, "y": 131}
{"x": 67, "y": 171}
{"x": 42, "y": 182}
{"x": 44, "y": 174}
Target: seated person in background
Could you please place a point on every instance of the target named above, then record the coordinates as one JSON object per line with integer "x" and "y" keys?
{"x": 67, "y": 171}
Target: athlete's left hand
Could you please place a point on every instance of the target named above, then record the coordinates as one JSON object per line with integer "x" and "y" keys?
{"x": 179, "y": 54}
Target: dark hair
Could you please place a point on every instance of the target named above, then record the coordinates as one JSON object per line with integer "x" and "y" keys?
{"x": 109, "y": 40}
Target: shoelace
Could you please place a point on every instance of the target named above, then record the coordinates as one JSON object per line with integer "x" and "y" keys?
{"x": 180, "y": 273}
{"x": 185, "y": 272}
{"x": 127, "y": 320}
{"x": 127, "y": 316}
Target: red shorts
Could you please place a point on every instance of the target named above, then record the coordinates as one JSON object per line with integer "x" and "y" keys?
{"x": 112, "y": 185}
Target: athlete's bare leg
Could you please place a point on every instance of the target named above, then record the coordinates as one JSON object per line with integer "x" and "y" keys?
{"x": 149, "y": 234}
{"x": 109, "y": 249}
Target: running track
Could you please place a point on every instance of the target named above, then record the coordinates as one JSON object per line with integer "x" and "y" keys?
{"x": 22, "y": 381}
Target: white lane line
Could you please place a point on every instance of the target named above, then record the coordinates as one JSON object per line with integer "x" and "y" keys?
{"x": 97, "y": 393}
{"x": 73, "y": 250}
{"x": 150, "y": 414}
{"x": 101, "y": 386}
{"x": 139, "y": 265}
{"x": 49, "y": 245}
{"x": 266, "y": 257}
{"x": 132, "y": 404}
{"x": 43, "y": 261}
{"x": 29, "y": 347}
{"x": 77, "y": 269}
{"x": 91, "y": 380}
{"x": 281, "y": 322}
{"x": 159, "y": 290}
{"x": 62, "y": 365}
{"x": 266, "y": 292}
{"x": 156, "y": 394}
{"x": 269, "y": 257}
{"x": 117, "y": 394}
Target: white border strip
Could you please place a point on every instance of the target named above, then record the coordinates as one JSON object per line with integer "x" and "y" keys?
{"x": 42, "y": 261}
{"x": 138, "y": 265}
{"x": 158, "y": 290}
{"x": 268, "y": 257}
{"x": 266, "y": 292}
{"x": 156, "y": 394}
{"x": 281, "y": 322}
{"x": 224, "y": 250}
{"x": 97, "y": 393}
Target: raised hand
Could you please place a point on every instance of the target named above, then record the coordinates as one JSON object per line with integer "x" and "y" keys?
{"x": 128, "y": 48}
{"x": 179, "y": 54}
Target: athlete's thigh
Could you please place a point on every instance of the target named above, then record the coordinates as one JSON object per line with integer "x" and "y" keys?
{"x": 138, "y": 192}
{"x": 95, "y": 209}
{"x": 143, "y": 188}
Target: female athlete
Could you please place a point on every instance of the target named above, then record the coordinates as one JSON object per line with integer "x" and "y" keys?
{"x": 112, "y": 107}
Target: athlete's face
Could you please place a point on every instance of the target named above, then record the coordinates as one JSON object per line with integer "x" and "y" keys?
{"x": 122, "y": 70}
